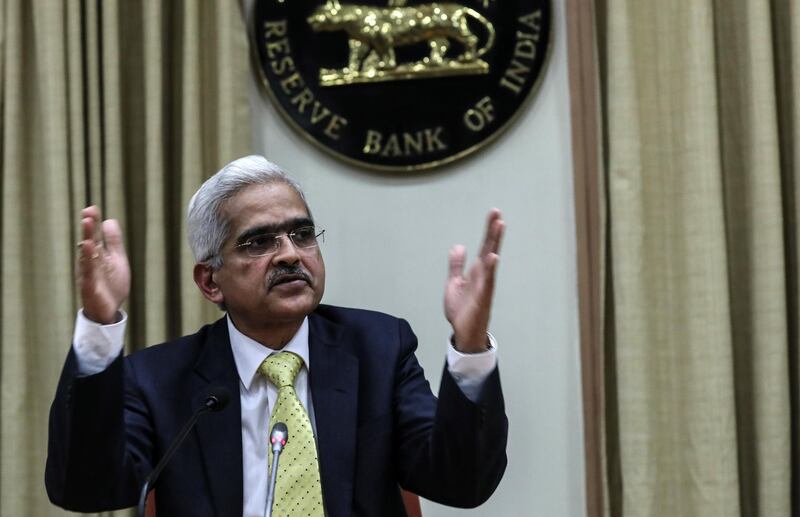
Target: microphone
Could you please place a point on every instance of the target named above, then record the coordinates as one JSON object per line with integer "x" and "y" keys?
{"x": 218, "y": 397}
{"x": 278, "y": 438}
{"x": 216, "y": 400}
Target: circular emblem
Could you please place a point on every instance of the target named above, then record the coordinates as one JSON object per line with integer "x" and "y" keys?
{"x": 398, "y": 85}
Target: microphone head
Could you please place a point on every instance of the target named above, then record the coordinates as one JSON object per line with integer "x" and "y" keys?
{"x": 217, "y": 398}
{"x": 279, "y": 436}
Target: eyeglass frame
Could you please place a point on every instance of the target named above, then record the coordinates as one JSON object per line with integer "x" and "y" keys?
{"x": 247, "y": 245}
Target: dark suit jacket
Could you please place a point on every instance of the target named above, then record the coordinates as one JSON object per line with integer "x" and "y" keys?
{"x": 378, "y": 425}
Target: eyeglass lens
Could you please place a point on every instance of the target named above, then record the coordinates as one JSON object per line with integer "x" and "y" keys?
{"x": 304, "y": 237}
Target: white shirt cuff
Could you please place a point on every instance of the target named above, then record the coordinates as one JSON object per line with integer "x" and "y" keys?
{"x": 95, "y": 345}
{"x": 470, "y": 370}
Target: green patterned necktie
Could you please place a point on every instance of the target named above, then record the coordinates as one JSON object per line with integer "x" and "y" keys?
{"x": 298, "y": 490}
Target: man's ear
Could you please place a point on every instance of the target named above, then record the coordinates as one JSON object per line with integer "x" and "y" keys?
{"x": 204, "y": 278}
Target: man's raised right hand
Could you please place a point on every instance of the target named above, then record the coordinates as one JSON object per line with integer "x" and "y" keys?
{"x": 104, "y": 276}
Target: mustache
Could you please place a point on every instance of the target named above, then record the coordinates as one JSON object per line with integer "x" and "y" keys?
{"x": 285, "y": 273}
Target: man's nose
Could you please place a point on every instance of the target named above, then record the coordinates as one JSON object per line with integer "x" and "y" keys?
{"x": 287, "y": 252}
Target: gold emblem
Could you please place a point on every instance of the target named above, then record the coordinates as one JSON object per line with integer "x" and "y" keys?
{"x": 373, "y": 33}
{"x": 401, "y": 85}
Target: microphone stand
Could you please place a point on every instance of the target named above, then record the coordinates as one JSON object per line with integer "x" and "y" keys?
{"x": 278, "y": 438}
{"x": 212, "y": 403}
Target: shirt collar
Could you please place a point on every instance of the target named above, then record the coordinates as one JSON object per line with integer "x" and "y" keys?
{"x": 248, "y": 354}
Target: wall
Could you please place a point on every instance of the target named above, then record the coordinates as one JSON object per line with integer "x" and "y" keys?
{"x": 386, "y": 249}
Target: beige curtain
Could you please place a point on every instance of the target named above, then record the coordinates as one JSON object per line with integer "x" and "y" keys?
{"x": 129, "y": 104}
{"x": 701, "y": 117}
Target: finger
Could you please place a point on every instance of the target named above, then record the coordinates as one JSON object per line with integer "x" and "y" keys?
{"x": 457, "y": 258}
{"x": 498, "y": 231}
{"x": 89, "y": 250}
{"x": 112, "y": 235}
{"x": 490, "y": 262}
{"x": 494, "y": 232}
{"x": 88, "y": 262}
{"x": 88, "y": 246}
{"x": 88, "y": 225}
{"x": 92, "y": 211}
{"x": 91, "y": 214}
{"x": 482, "y": 276}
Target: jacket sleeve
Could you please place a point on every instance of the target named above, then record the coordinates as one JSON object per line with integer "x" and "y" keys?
{"x": 452, "y": 451}
{"x": 96, "y": 461}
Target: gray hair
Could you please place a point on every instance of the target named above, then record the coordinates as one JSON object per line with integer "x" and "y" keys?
{"x": 206, "y": 227}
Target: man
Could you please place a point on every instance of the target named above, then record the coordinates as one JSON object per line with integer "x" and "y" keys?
{"x": 371, "y": 419}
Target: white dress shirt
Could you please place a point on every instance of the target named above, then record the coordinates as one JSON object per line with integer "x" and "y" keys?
{"x": 97, "y": 346}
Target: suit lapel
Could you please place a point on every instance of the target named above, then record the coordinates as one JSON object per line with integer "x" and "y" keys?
{"x": 220, "y": 435}
{"x": 334, "y": 391}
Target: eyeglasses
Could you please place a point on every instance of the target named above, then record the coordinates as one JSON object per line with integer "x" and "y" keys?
{"x": 304, "y": 237}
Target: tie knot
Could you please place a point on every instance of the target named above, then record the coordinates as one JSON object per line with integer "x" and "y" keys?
{"x": 281, "y": 368}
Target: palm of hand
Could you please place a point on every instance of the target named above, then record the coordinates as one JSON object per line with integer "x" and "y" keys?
{"x": 105, "y": 288}
{"x": 467, "y": 305}
{"x": 104, "y": 275}
{"x": 468, "y": 298}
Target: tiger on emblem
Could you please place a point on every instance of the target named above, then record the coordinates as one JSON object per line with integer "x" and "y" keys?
{"x": 374, "y": 32}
